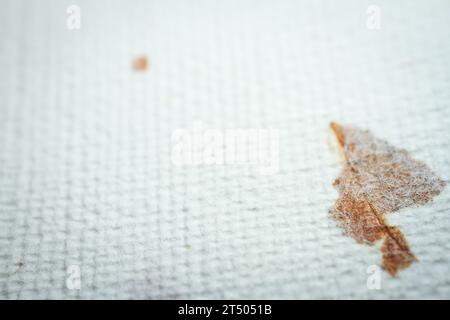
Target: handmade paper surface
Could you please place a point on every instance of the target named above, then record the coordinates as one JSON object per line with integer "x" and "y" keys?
{"x": 88, "y": 188}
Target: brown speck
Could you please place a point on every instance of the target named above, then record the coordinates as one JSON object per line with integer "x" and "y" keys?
{"x": 140, "y": 64}
{"x": 376, "y": 179}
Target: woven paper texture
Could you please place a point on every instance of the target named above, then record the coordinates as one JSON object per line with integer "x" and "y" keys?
{"x": 86, "y": 177}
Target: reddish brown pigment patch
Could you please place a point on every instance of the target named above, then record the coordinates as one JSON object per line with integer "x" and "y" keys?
{"x": 377, "y": 179}
{"x": 140, "y": 64}
{"x": 396, "y": 252}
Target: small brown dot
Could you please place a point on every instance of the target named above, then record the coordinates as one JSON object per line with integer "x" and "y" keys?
{"x": 140, "y": 64}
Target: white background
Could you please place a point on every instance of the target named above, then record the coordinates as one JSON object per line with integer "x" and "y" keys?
{"x": 85, "y": 172}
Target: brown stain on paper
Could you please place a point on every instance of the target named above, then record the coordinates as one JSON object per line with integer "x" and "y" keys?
{"x": 376, "y": 179}
{"x": 140, "y": 64}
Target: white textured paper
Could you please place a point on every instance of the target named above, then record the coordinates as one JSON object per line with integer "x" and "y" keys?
{"x": 86, "y": 177}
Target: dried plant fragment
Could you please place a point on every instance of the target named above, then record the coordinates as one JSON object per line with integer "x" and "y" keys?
{"x": 376, "y": 179}
{"x": 140, "y": 64}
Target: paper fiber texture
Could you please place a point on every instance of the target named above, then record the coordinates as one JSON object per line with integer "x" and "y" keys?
{"x": 92, "y": 205}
